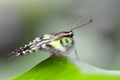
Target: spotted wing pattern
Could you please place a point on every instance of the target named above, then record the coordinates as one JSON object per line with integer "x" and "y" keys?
{"x": 46, "y": 42}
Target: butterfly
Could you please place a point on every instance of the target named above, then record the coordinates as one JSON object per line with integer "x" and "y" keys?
{"x": 56, "y": 44}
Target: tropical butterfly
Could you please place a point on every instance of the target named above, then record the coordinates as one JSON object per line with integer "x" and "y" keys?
{"x": 56, "y": 44}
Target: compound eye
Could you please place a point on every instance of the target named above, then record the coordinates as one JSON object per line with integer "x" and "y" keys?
{"x": 71, "y": 35}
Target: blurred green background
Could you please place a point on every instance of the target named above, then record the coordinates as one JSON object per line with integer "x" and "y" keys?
{"x": 97, "y": 44}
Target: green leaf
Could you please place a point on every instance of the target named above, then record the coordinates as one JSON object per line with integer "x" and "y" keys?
{"x": 54, "y": 68}
{"x": 60, "y": 68}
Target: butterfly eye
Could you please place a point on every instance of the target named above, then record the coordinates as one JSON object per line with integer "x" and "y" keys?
{"x": 71, "y": 35}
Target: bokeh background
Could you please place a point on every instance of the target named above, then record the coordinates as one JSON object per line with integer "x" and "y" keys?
{"x": 97, "y": 43}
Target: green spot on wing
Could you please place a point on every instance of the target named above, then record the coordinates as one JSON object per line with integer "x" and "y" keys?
{"x": 47, "y": 36}
{"x": 57, "y": 45}
{"x": 67, "y": 41}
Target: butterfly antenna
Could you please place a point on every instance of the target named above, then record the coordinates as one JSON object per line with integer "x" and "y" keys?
{"x": 82, "y": 25}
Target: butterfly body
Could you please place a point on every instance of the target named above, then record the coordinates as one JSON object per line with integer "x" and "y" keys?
{"x": 54, "y": 43}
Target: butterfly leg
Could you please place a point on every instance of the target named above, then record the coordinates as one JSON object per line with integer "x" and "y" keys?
{"x": 76, "y": 54}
